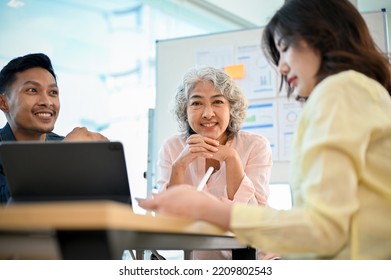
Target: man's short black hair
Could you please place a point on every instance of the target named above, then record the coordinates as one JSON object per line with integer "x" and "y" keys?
{"x": 22, "y": 63}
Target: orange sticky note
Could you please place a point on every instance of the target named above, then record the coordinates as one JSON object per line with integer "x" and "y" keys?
{"x": 235, "y": 71}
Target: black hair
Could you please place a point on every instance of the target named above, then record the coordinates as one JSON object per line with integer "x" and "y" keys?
{"x": 23, "y": 63}
{"x": 337, "y": 30}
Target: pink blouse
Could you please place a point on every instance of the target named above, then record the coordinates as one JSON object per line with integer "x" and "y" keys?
{"x": 255, "y": 154}
{"x": 256, "y": 157}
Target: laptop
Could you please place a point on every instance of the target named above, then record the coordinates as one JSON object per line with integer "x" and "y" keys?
{"x": 57, "y": 171}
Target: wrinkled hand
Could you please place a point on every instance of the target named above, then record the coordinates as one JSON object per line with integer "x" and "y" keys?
{"x": 224, "y": 151}
{"x": 197, "y": 146}
{"x": 83, "y": 134}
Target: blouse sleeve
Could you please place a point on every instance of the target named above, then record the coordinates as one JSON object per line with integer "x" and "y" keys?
{"x": 164, "y": 163}
{"x": 256, "y": 156}
{"x": 332, "y": 137}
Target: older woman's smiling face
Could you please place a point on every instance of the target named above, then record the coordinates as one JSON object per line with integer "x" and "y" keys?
{"x": 208, "y": 111}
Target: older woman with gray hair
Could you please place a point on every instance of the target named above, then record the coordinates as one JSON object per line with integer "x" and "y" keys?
{"x": 210, "y": 109}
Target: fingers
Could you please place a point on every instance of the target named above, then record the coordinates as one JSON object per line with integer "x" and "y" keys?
{"x": 147, "y": 204}
{"x": 172, "y": 201}
{"x": 97, "y": 136}
{"x": 201, "y": 146}
{"x": 203, "y": 139}
{"x": 197, "y": 146}
{"x": 200, "y": 152}
{"x": 199, "y": 143}
{"x": 83, "y": 134}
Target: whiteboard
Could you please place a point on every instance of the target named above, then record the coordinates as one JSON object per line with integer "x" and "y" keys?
{"x": 269, "y": 113}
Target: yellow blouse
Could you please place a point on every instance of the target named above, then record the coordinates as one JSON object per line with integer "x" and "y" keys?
{"x": 340, "y": 178}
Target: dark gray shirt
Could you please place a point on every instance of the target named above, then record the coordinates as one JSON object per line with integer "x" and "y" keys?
{"x": 6, "y": 134}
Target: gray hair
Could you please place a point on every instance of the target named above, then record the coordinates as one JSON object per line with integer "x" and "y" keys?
{"x": 223, "y": 83}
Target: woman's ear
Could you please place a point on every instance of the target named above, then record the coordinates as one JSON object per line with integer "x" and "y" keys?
{"x": 3, "y": 103}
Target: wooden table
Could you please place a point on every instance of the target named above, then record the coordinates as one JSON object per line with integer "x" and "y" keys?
{"x": 102, "y": 230}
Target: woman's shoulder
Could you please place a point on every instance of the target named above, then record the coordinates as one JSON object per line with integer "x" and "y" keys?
{"x": 172, "y": 145}
{"x": 174, "y": 140}
{"x": 350, "y": 82}
{"x": 251, "y": 138}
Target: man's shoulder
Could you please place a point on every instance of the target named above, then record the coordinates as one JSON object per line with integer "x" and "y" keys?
{"x": 51, "y": 136}
{"x": 6, "y": 133}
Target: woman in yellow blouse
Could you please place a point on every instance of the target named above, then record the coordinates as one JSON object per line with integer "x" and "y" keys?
{"x": 341, "y": 164}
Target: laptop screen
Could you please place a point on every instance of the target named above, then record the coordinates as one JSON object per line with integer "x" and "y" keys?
{"x": 50, "y": 171}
